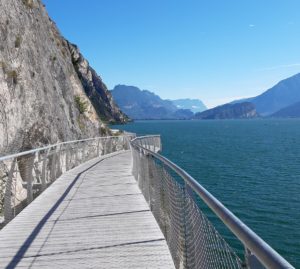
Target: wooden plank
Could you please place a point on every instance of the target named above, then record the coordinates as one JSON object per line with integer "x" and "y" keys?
{"x": 93, "y": 216}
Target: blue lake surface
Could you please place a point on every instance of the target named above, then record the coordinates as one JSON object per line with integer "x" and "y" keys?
{"x": 251, "y": 166}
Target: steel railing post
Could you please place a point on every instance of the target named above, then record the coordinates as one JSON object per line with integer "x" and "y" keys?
{"x": 27, "y": 166}
{"x": 68, "y": 154}
{"x": 53, "y": 165}
{"x": 8, "y": 191}
{"x": 44, "y": 165}
{"x": 98, "y": 148}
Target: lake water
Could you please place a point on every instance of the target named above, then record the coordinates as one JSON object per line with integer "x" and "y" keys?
{"x": 251, "y": 166}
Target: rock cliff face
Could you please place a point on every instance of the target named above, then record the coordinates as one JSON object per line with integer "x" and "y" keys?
{"x": 95, "y": 89}
{"x": 229, "y": 111}
{"x": 48, "y": 91}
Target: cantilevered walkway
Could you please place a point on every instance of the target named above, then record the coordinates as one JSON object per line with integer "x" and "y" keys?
{"x": 97, "y": 215}
{"x": 93, "y": 216}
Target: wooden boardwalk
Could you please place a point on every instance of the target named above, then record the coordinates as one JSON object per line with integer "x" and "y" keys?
{"x": 93, "y": 216}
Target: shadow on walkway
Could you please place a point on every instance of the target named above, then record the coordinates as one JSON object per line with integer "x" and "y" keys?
{"x": 21, "y": 252}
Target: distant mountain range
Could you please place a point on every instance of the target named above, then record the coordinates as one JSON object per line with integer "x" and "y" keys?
{"x": 143, "y": 104}
{"x": 282, "y": 100}
{"x": 292, "y": 111}
{"x": 283, "y": 94}
{"x": 195, "y": 105}
{"x": 244, "y": 110}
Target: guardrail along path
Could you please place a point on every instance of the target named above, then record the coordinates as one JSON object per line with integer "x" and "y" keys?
{"x": 93, "y": 216}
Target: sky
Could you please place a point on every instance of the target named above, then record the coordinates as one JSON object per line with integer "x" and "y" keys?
{"x": 213, "y": 50}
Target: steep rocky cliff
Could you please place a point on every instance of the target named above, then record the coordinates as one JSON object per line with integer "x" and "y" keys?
{"x": 244, "y": 110}
{"x": 95, "y": 89}
{"x": 48, "y": 91}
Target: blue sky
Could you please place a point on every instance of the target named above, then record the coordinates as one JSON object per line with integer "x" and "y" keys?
{"x": 214, "y": 50}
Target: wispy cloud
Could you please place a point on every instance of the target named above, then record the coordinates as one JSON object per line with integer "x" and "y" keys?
{"x": 251, "y": 25}
{"x": 279, "y": 67}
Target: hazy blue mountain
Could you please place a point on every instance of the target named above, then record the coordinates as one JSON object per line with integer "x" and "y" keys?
{"x": 244, "y": 110}
{"x": 143, "y": 104}
{"x": 195, "y": 105}
{"x": 292, "y": 111}
{"x": 183, "y": 114}
{"x": 242, "y": 100}
{"x": 283, "y": 94}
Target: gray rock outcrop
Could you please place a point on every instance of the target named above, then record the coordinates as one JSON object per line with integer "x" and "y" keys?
{"x": 48, "y": 91}
{"x": 95, "y": 89}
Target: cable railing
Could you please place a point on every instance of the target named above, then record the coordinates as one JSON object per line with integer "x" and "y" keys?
{"x": 194, "y": 242}
{"x": 25, "y": 175}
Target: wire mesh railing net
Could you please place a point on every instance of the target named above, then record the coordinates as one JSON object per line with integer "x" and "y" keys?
{"x": 192, "y": 239}
{"x": 25, "y": 176}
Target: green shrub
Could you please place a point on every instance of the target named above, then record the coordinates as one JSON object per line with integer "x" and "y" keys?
{"x": 81, "y": 125}
{"x": 81, "y": 105}
{"x": 13, "y": 75}
{"x": 120, "y": 132}
{"x": 3, "y": 66}
{"x": 64, "y": 52}
{"x": 18, "y": 42}
{"x": 28, "y": 3}
{"x": 53, "y": 58}
{"x": 104, "y": 131}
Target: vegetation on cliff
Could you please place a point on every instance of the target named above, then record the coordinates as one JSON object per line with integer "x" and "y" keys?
{"x": 48, "y": 91}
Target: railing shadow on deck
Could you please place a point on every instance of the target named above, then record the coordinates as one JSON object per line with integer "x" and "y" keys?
{"x": 194, "y": 242}
{"x": 27, "y": 243}
{"x": 25, "y": 175}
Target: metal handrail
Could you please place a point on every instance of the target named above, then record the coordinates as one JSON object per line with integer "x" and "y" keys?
{"x": 7, "y": 157}
{"x": 145, "y": 136}
{"x": 27, "y": 174}
{"x": 264, "y": 252}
